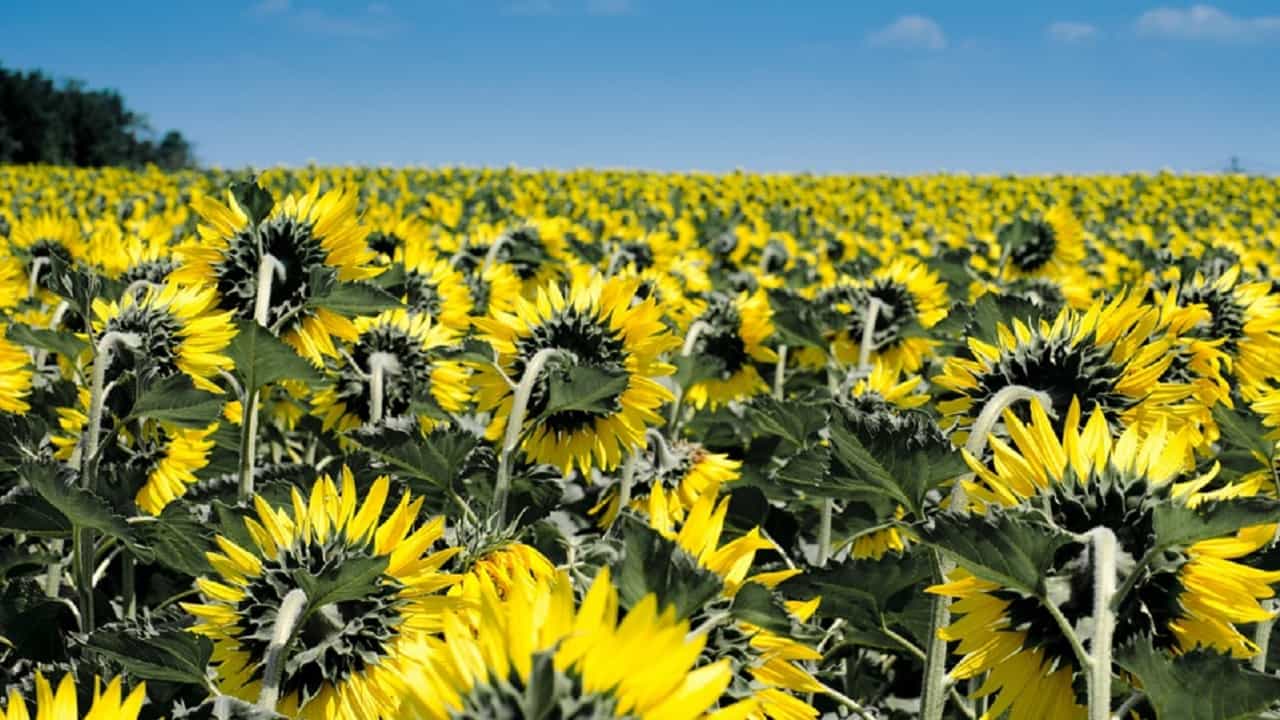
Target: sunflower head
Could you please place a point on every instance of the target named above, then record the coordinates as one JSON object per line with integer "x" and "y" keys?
{"x": 15, "y": 376}
{"x": 345, "y": 652}
{"x": 109, "y": 703}
{"x": 593, "y": 323}
{"x": 1046, "y": 245}
{"x": 731, "y": 333}
{"x": 307, "y": 243}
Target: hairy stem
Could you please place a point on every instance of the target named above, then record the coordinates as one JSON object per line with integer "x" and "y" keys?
{"x": 287, "y": 621}
{"x": 868, "y": 334}
{"x": 690, "y": 342}
{"x": 780, "y": 373}
{"x": 986, "y": 421}
{"x": 515, "y": 422}
{"x": 380, "y": 363}
{"x": 1104, "y": 622}
{"x": 269, "y": 269}
{"x": 933, "y": 700}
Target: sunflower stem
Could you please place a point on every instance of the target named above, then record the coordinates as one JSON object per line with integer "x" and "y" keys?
{"x": 986, "y": 421}
{"x": 780, "y": 373}
{"x": 492, "y": 256}
{"x": 84, "y": 540}
{"x": 515, "y": 421}
{"x": 33, "y": 281}
{"x": 1069, "y": 632}
{"x": 690, "y": 342}
{"x": 129, "y": 583}
{"x": 933, "y": 699}
{"x": 1104, "y": 622}
{"x": 288, "y": 618}
{"x": 380, "y": 363}
{"x": 269, "y": 269}
{"x": 628, "y": 478}
{"x": 1262, "y": 638}
{"x": 848, "y": 702}
{"x": 868, "y": 334}
{"x": 824, "y": 531}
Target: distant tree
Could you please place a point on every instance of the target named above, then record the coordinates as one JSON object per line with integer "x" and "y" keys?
{"x": 71, "y": 125}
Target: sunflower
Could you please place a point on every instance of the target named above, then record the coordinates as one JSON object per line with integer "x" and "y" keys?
{"x": 42, "y": 239}
{"x": 173, "y": 456}
{"x": 1107, "y": 354}
{"x": 908, "y": 294}
{"x": 1243, "y": 320}
{"x": 1084, "y": 478}
{"x": 109, "y": 704}
{"x": 179, "y": 329}
{"x": 345, "y": 655}
{"x": 390, "y": 233}
{"x": 683, "y": 470}
{"x": 772, "y": 659}
{"x": 406, "y": 341}
{"x": 310, "y": 236}
{"x": 15, "y": 375}
{"x": 594, "y": 324}
{"x": 1051, "y": 246}
{"x": 533, "y": 654}
{"x": 432, "y": 286}
{"x": 731, "y": 333}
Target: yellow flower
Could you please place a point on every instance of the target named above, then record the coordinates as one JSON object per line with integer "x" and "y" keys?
{"x": 15, "y": 376}
{"x": 108, "y": 704}
{"x": 732, "y": 332}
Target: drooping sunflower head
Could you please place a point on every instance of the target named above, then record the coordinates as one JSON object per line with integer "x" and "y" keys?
{"x": 1243, "y": 319}
{"x": 345, "y": 653}
{"x": 390, "y": 233}
{"x": 1051, "y": 245}
{"x": 178, "y": 329}
{"x": 149, "y": 258}
{"x": 46, "y": 238}
{"x": 311, "y": 240}
{"x": 1183, "y": 596}
{"x": 682, "y": 470}
{"x": 592, "y": 323}
{"x": 1107, "y": 354}
{"x": 886, "y": 384}
{"x": 432, "y": 286}
{"x": 171, "y": 457}
{"x": 403, "y": 345}
{"x": 534, "y": 654}
{"x": 731, "y": 333}
{"x": 110, "y": 703}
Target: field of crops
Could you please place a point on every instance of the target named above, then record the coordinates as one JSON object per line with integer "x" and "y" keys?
{"x": 372, "y": 443}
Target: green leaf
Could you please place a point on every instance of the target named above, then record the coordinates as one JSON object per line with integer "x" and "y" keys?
{"x": 178, "y": 540}
{"x": 864, "y": 467}
{"x": 582, "y": 388}
{"x": 471, "y": 349}
{"x": 437, "y": 459}
{"x": 178, "y": 401}
{"x": 693, "y": 369}
{"x": 356, "y": 578}
{"x": 758, "y": 605}
{"x": 253, "y": 199}
{"x": 1177, "y": 524}
{"x": 871, "y": 595}
{"x": 172, "y": 656}
{"x": 352, "y": 298}
{"x": 262, "y": 358}
{"x": 1012, "y": 548}
{"x": 1243, "y": 429}
{"x": 81, "y": 507}
{"x": 904, "y": 459}
{"x": 1199, "y": 685}
{"x": 654, "y": 564}
{"x": 62, "y": 343}
{"x": 795, "y": 422}
{"x": 809, "y": 471}
{"x": 28, "y": 512}
{"x": 795, "y": 322}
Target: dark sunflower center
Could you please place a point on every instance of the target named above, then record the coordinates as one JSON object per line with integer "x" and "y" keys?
{"x": 635, "y": 253}
{"x": 722, "y": 339}
{"x": 156, "y": 271}
{"x": 583, "y": 341}
{"x": 398, "y": 388}
{"x": 1036, "y": 247}
{"x": 157, "y": 353}
{"x": 384, "y": 243}
{"x": 1055, "y": 366}
{"x": 46, "y": 248}
{"x": 290, "y": 242}
{"x": 1227, "y": 316}
{"x": 524, "y": 250}
{"x": 334, "y": 642}
{"x": 423, "y": 294}
{"x": 548, "y": 694}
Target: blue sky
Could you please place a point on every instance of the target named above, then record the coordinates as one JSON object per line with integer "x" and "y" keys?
{"x": 979, "y": 86}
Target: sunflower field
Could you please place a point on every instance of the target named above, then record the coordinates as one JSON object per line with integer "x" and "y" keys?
{"x": 356, "y": 443}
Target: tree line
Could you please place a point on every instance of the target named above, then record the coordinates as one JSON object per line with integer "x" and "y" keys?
{"x": 67, "y": 124}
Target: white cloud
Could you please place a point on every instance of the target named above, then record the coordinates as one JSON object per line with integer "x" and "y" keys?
{"x": 910, "y": 32}
{"x": 1206, "y": 22}
{"x": 1072, "y": 32}
{"x": 270, "y": 7}
{"x": 608, "y": 7}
